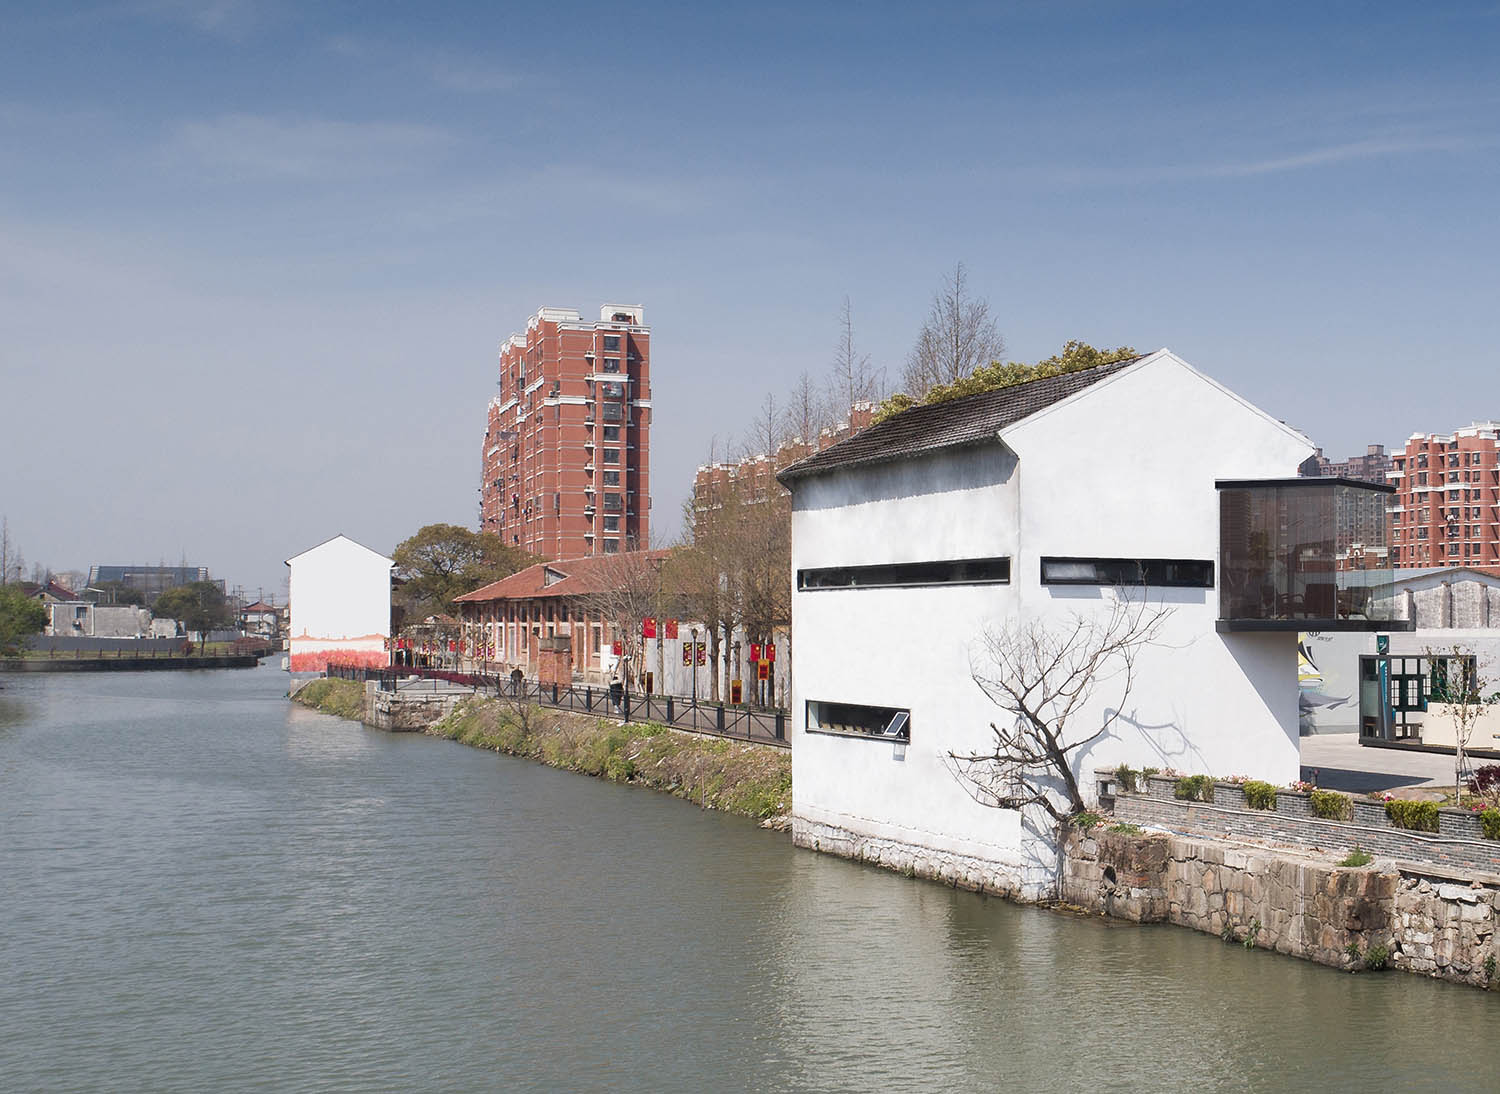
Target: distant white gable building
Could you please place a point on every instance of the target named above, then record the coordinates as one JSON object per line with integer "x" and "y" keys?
{"x": 340, "y": 606}
{"x": 1047, "y": 502}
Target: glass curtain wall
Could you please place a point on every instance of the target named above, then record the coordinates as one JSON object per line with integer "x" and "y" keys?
{"x": 1284, "y": 556}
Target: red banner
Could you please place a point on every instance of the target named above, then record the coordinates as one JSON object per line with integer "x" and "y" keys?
{"x": 755, "y": 651}
{"x": 770, "y": 651}
{"x": 617, "y": 648}
{"x": 671, "y": 628}
{"x": 648, "y": 627}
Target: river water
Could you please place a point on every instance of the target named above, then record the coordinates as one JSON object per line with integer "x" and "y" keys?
{"x": 205, "y": 887}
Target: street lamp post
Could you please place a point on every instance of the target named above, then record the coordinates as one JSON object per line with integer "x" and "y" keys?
{"x": 695, "y": 665}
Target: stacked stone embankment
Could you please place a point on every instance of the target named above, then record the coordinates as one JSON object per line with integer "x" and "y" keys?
{"x": 1416, "y": 917}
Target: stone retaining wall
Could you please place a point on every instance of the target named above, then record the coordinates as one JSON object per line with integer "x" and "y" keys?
{"x": 1427, "y": 920}
{"x": 1459, "y": 841}
{"x": 407, "y": 712}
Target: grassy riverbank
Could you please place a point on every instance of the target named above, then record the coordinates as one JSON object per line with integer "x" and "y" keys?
{"x": 345, "y": 698}
{"x": 746, "y": 779}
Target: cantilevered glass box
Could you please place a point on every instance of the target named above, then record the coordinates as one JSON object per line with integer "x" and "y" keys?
{"x": 1285, "y": 562}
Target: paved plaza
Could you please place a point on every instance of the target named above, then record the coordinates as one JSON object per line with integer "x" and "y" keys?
{"x": 1337, "y": 761}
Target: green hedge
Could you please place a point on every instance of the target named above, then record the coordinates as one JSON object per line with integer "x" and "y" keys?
{"x": 1330, "y": 805}
{"x": 1489, "y": 823}
{"x": 1194, "y": 788}
{"x": 1413, "y": 816}
{"x": 1259, "y": 795}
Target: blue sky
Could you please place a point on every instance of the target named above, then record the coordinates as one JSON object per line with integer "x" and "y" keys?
{"x": 256, "y": 258}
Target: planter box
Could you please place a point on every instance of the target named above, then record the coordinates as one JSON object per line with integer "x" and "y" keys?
{"x": 1230, "y": 795}
{"x": 1459, "y": 824}
{"x": 1292, "y": 804}
{"x": 1371, "y": 814}
{"x": 1161, "y": 786}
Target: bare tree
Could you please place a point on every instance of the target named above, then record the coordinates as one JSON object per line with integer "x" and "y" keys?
{"x": 807, "y": 411}
{"x": 768, "y": 430}
{"x": 1459, "y": 685}
{"x": 1045, "y": 676}
{"x": 629, "y": 592}
{"x": 958, "y": 337}
{"x": 12, "y": 565}
{"x": 853, "y": 379}
{"x": 707, "y": 569}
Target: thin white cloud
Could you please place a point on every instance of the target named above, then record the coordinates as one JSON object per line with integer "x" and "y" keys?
{"x": 1340, "y": 153}
{"x": 223, "y": 18}
{"x": 309, "y": 149}
{"x": 445, "y": 69}
{"x": 1331, "y": 155}
{"x": 456, "y": 74}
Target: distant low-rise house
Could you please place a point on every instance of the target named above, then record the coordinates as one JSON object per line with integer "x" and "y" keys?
{"x": 340, "y": 606}
{"x": 82, "y": 619}
{"x": 1022, "y": 514}
{"x": 49, "y": 592}
{"x": 262, "y": 620}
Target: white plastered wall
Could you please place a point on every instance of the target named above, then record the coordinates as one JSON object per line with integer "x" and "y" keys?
{"x": 340, "y": 595}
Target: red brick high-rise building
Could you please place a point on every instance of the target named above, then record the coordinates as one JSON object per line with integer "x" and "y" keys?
{"x": 566, "y": 458}
{"x": 1446, "y": 509}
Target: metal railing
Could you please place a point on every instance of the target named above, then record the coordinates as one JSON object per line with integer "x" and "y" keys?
{"x": 743, "y": 723}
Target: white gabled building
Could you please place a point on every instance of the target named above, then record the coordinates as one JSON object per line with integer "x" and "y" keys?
{"x": 340, "y": 606}
{"x": 1047, "y": 501}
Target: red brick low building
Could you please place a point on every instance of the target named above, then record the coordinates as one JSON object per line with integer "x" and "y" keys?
{"x": 543, "y": 610}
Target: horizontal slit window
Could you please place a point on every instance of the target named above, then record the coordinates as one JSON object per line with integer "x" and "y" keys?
{"x": 855, "y": 720}
{"x": 960, "y": 571}
{"x": 1187, "y": 573}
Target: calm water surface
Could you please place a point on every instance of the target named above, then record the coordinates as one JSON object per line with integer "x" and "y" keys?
{"x": 203, "y": 887}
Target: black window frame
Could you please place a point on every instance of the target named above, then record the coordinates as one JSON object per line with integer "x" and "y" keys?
{"x": 882, "y": 723}
{"x": 1150, "y": 572}
{"x": 906, "y": 575}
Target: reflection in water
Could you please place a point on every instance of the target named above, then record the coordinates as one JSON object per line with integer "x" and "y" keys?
{"x": 12, "y": 712}
{"x": 207, "y": 887}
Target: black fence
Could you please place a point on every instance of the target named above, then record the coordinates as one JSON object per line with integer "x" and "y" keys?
{"x": 680, "y": 712}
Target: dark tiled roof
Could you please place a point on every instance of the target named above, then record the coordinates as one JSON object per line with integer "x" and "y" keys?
{"x": 571, "y": 577}
{"x": 969, "y": 420}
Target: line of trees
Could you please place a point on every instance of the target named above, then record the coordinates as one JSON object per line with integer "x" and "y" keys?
{"x": 732, "y": 567}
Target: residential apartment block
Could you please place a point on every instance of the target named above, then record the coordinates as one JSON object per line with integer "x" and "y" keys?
{"x": 754, "y": 476}
{"x": 566, "y": 457}
{"x": 1446, "y": 509}
{"x": 1371, "y": 467}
